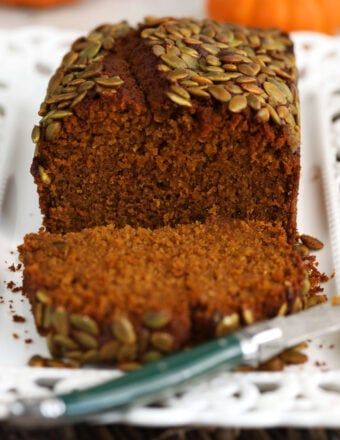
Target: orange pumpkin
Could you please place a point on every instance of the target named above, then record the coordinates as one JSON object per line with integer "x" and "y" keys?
{"x": 288, "y": 15}
{"x": 35, "y": 3}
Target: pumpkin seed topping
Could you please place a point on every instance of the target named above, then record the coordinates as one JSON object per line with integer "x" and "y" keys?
{"x": 43, "y": 297}
{"x": 68, "y": 86}
{"x": 257, "y": 63}
{"x": 65, "y": 342}
{"x": 45, "y": 178}
{"x": 156, "y": 319}
{"x": 123, "y": 330}
{"x": 60, "y": 321}
{"x": 84, "y": 323}
{"x": 238, "y": 103}
{"x": 52, "y": 130}
{"x": 248, "y": 316}
{"x": 85, "y": 339}
{"x": 35, "y": 134}
{"x": 109, "y": 350}
{"x": 162, "y": 341}
{"x": 227, "y": 324}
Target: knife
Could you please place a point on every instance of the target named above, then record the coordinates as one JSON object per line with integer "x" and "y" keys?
{"x": 160, "y": 379}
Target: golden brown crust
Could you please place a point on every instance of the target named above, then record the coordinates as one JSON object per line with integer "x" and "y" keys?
{"x": 138, "y": 293}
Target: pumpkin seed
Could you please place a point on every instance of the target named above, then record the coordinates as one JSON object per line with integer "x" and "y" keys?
{"x": 173, "y": 61}
{"x": 60, "y": 114}
{"x": 91, "y": 356}
{"x": 158, "y": 50}
{"x": 92, "y": 50}
{"x": 263, "y": 115}
{"x": 188, "y": 83}
{"x": 180, "y": 91}
{"x": 292, "y": 356}
{"x": 47, "y": 317}
{"x": 70, "y": 58}
{"x": 39, "y": 314}
{"x": 213, "y": 60}
{"x": 189, "y": 60}
{"x": 273, "y": 114}
{"x": 176, "y": 74}
{"x": 178, "y": 99}
{"x": 109, "y": 350}
{"x": 230, "y": 67}
{"x": 84, "y": 323}
{"x": 297, "y": 306}
{"x": 190, "y": 51}
{"x": 274, "y": 92}
{"x": 61, "y": 97}
{"x": 283, "y": 309}
{"x": 248, "y": 316}
{"x": 45, "y": 178}
{"x": 108, "y": 43}
{"x": 252, "y": 88}
{"x": 35, "y": 134}
{"x": 60, "y": 321}
{"x": 65, "y": 342}
{"x": 219, "y": 93}
{"x": 156, "y": 319}
{"x": 210, "y": 48}
{"x": 254, "y": 102}
{"x": 251, "y": 69}
{"x": 213, "y": 69}
{"x": 43, "y": 297}
{"x": 114, "y": 81}
{"x": 306, "y": 286}
{"x": 301, "y": 249}
{"x": 89, "y": 73}
{"x": 227, "y": 324}
{"x": 311, "y": 242}
{"x": 220, "y": 77}
{"x": 315, "y": 300}
{"x": 233, "y": 88}
{"x": 163, "y": 341}
{"x": 151, "y": 356}
{"x": 74, "y": 354}
{"x": 52, "y": 130}
{"x": 173, "y": 50}
{"x": 85, "y": 339}
{"x": 245, "y": 80}
{"x": 78, "y": 99}
{"x": 127, "y": 352}
{"x": 234, "y": 58}
{"x": 237, "y": 103}
{"x": 36, "y": 361}
{"x": 198, "y": 91}
{"x": 202, "y": 80}
{"x": 123, "y": 330}
{"x": 53, "y": 348}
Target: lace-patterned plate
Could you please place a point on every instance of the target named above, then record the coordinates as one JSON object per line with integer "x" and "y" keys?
{"x": 304, "y": 396}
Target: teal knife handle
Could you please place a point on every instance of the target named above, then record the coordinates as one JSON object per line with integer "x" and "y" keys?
{"x": 154, "y": 379}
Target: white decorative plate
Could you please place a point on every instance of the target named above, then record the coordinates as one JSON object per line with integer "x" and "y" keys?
{"x": 305, "y": 396}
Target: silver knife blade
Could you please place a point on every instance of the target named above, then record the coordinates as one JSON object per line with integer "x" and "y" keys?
{"x": 296, "y": 328}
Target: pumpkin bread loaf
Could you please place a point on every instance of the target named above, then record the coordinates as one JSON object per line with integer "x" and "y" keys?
{"x": 132, "y": 294}
{"x": 167, "y": 165}
{"x": 170, "y": 122}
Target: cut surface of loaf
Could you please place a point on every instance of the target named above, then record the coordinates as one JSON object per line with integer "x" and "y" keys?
{"x": 133, "y": 294}
{"x": 170, "y": 122}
